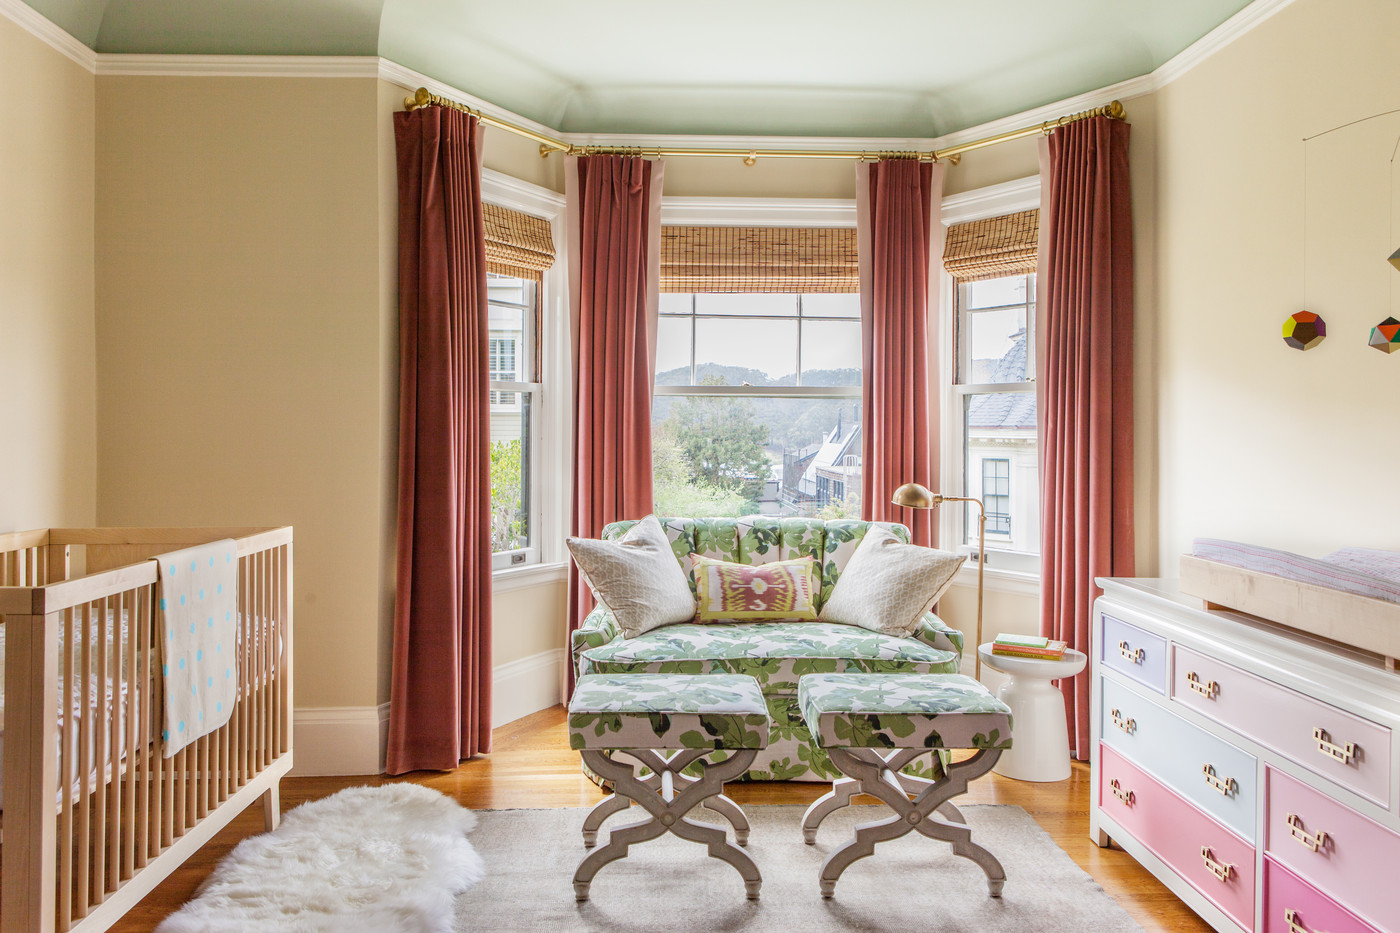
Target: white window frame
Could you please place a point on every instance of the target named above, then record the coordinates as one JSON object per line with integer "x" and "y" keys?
{"x": 550, "y": 433}
{"x": 1023, "y": 576}
{"x": 758, "y": 212}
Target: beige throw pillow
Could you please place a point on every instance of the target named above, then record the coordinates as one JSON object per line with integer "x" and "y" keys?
{"x": 887, "y": 585}
{"x": 637, "y": 577}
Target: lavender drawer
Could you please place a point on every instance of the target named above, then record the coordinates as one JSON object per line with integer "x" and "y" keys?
{"x": 1291, "y": 905}
{"x": 1334, "y": 848}
{"x": 1338, "y": 745}
{"x": 1133, "y": 652}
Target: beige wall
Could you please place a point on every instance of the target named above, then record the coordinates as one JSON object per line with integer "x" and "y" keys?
{"x": 48, "y": 476}
{"x": 239, "y": 332}
{"x": 1260, "y": 442}
{"x": 528, "y": 622}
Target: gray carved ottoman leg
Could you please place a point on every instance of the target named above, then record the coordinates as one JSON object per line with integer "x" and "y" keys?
{"x": 667, "y": 722}
{"x": 871, "y": 726}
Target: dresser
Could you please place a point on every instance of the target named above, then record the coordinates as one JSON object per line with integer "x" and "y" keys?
{"x": 1255, "y": 771}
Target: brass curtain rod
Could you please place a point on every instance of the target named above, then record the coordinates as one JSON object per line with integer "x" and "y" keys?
{"x": 424, "y": 98}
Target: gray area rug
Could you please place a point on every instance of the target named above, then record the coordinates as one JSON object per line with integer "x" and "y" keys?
{"x": 910, "y": 885}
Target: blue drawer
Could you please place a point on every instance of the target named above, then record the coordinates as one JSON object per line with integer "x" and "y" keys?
{"x": 1178, "y": 753}
{"x": 1133, "y": 652}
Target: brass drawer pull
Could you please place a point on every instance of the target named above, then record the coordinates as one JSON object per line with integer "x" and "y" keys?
{"x": 1343, "y": 753}
{"x": 1294, "y": 924}
{"x": 1226, "y": 786}
{"x": 1127, "y": 725}
{"x": 1135, "y": 655}
{"x": 1210, "y": 690}
{"x": 1296, "y": 830}
{"x": 1127, "y": 796}
{"x": 1221, "y": 870}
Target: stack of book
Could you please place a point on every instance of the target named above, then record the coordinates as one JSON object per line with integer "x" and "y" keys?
{"x": 1028, "y": 646}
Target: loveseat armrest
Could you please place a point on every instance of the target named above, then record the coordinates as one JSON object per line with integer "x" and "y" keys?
{"x": 935, "y": 632}
{"x": 598, "y": 628}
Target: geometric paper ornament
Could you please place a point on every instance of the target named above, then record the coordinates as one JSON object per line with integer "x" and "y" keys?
{"x": 1395, "y": 259}
{"x": 1386, "y": 335}
{"x": 1304, "y": 330}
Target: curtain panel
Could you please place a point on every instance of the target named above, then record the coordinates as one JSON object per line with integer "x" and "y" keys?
{"x": 440, "y": 702}
{"x": 1085, "y": 366}
{"x": 899, "y": 235}
{"x": 614, "y": 232}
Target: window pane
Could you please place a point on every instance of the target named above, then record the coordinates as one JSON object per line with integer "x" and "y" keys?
{"x": 993, "y": 293}
{"x": 755, "y": 351}
{"x": 831, "y": 306}
{"x": 739, "y": 456}
{"x": 995, "y": 346}
{"x": 831, "y": 353}
{"x": 1002, "y": 468}
{"x": 510, "y": 475}
{"x": 507, "y": 289}
{"x": 675, "y": 303}
{"x": 673, "y": 351}
{"x": 509, "y": 328}
{"x": 716, "y": 303}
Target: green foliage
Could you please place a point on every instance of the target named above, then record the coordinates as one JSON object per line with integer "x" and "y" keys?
{"x": 677, "y": 492}
{"x": 507, "y": 511}
{"x": 848, "y": 507}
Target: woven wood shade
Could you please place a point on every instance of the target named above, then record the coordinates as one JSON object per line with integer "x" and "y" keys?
{"x": 992, "y": 247}
{"x": 759, "y": 259}
{"x": 517, "y": 244}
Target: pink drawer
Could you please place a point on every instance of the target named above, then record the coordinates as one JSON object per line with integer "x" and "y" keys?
{"x": 1354, "y": 863}
{"x": 1180, "y": 835}
{"x": 1340, "y": 746}
{"x": 1291, "y": 905}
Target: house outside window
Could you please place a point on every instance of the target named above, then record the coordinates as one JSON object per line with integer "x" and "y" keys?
{"x": 502, "y": 361}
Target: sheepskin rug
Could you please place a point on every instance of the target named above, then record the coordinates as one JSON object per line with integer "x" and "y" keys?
{"x": 385, "y": 859}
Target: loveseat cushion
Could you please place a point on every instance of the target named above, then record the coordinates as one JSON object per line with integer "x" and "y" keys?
{"x": 777, "y": 653}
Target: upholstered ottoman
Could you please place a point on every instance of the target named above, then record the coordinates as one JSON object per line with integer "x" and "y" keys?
{"x": 872, "y": 726}
{"x": 667, "y": 722}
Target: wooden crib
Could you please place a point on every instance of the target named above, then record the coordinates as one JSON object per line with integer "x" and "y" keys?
{"x": 94, "y": 816}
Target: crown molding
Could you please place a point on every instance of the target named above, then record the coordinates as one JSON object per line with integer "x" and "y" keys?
{"x": 239, "y": 66}
{"x": 766, "y": 212}
{"x": 46, "y": 31}
{"x": 1218, "y": 38}
{"x": 411, "y": 80}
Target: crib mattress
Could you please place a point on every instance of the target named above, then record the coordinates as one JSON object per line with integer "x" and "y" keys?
{"x": 1361, "y": 571}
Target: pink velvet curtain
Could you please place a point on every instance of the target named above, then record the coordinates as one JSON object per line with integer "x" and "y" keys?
{"x": 440, "y": 709}
{"x": 614, "y": 239}
{"x": 1085, "y": 375}
{"x": 899, "y": 235}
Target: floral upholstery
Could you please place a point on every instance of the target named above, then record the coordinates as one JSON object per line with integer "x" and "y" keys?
{"x": 777, "y": 654}
{"x": 905, "y": 711}
{"x": 667, "y": 711}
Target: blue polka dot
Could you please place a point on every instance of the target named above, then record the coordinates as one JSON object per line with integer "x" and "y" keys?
{"x": 211, "y": 621}
{"x": 181, "y": 727}
{"x": 228, "y": 557}
{"x": 219, "y": 648}
{"x": 201, "y": 715}
{"x": 182, "y": 599}
{"x": 228, "y": 672}
{"x": 165, "y": 669}
{"x": 194, "y": 689}
{"x": 220, "y": 589}
{"x": 172, "y": 569}
{"x": 172, "y": 634}
{"x": 211, "y": 562}
{"x": 191, "y": 628}
{"x": 199, "y": 655}
{"x": 194, "y": 565}
{"x": 201, "y": 594}
{"x": 162, "y": 604}
{"x": 165, "y": 734}
{"x": 228, "y": 615}
{"x": 218, "y": 707}
{"x": 182, "y": 664}
{"x": 211, "y": 682}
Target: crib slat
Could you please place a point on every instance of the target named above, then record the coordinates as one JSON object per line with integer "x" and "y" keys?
{"x": 142, "y": 674}
{"x": 133, "y": 712}
{"x": 100, "y": 711}
{"x": 84, "y": 730}
{"x": 66, "y": 768}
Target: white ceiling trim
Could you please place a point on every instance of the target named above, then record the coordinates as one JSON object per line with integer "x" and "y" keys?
{"x": 44, "y": 29}
{"x": 411, "y": 80}
{"x": 240, "y": 66}
{"x": 1218, "y": 38}
{"x": 758, "y": 212}
{"x": 517, "y": 194}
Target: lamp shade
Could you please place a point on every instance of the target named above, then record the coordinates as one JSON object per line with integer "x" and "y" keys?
{"x": 914, "y": 496}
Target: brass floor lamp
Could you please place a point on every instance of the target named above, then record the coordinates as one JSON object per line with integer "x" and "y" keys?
{"x": 914, "y": 496}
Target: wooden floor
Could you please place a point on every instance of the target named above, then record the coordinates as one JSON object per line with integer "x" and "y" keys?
{"x": 532, "y": 766}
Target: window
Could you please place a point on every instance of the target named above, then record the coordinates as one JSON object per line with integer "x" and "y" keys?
{"x": 757, "y": 405}
{"x": 994, "y": 385}
{"x": 513, "y": 361}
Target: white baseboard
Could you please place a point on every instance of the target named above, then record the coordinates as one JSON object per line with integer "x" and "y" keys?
{"x": 344, "y": 740}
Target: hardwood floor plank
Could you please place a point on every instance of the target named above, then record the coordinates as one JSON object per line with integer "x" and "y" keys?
{"x": 531, "y": 765}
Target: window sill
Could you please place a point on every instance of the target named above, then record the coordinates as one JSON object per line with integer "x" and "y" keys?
{"x": 510, "y": 579}
{"x": 1015, "y": 582}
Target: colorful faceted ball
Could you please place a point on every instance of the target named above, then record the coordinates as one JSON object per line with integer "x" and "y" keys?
{"x": 1304, "y": 330}
{"x": 1386, "y": 335}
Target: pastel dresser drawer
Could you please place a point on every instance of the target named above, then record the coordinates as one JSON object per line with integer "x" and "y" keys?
{"x": 1340, "y": 746}
{"x": 1208, "y": 856}
{"x": 1291, "y": 905}
{"x": 1204, "y": 768}
{"x": 1336, "y": 849}
{"x": 1133, "y": 652}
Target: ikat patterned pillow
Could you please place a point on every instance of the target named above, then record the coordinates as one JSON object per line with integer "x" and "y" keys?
{"x": 637, "y": 577}
{"x": 781, "y": 591}
{"x": 888, "y": 585}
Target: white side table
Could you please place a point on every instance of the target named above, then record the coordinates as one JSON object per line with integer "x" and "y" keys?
{"x": 1039, "y": 733}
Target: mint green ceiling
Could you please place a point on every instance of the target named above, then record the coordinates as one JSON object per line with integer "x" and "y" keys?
{"x": 767, "y": 67}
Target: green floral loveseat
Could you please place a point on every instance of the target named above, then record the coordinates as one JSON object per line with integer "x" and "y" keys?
{"x": 777, "y": 653}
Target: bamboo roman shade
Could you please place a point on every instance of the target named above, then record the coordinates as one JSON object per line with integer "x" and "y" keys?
{"x": 992, "y": 247}
{"x": 759, "y": 259}
{"x": 517, "y": 244}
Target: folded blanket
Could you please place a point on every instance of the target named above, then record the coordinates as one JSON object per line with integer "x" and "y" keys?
{"x": 1362, "y": 571}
